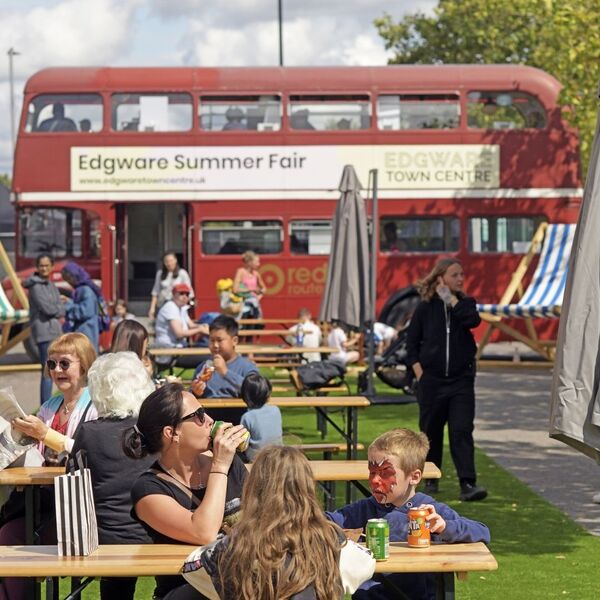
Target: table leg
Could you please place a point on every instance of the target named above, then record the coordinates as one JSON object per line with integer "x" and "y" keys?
{"x": 352, "y": 437}
{"x": 33, "y": 587}
{"x": 29, "y": 515}
{"x": 445, "y": 586}
{"x": 52, "y": 588}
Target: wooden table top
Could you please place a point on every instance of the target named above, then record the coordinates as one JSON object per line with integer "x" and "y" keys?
{"x": 243, "y": 349}
{"x": 269, "y": 321}
{"x": 137, "y": 560}
{"x": 259, "y": 332}
{"x": 291, "y": 402}
{"x": 30, "y": 475}
{"x": 323, "y": 470}
{"x": 354, "y": 470}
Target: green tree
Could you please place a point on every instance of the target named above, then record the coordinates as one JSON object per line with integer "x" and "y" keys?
{"x": 562, "y": 37}
{"x": 5, "y": 179}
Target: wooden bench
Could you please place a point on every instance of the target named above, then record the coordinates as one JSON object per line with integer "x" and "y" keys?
{"x": 327, "y": 448}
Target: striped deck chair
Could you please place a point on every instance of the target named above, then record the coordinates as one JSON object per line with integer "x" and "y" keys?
{"x": 543, "y": 298}
{"x": 10, "y": 316}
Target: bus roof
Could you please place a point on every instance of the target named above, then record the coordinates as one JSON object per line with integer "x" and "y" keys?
{"x": 389, "y": 78}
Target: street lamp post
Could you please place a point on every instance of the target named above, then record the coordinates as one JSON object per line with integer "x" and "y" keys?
{"x": 11, "y": 53}
{"x": 280, "y": 18}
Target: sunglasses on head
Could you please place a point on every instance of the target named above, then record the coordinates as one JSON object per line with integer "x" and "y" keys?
{"x": 199, "y": 412}
{"x": 63, "y": 363}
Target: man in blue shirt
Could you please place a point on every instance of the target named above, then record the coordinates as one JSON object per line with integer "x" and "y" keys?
{"x": 230, "y": 369}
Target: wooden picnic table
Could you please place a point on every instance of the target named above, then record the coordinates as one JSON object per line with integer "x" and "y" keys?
{"x": 319, "y": 403}
{"x": 243, "y": 349}
{"x": 144, "y": 560}
{"x": 29, "y": 479}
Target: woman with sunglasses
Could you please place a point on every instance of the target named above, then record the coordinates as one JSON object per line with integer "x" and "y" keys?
{"x": 69, "y": 358}
{"x": 193, "y": 490}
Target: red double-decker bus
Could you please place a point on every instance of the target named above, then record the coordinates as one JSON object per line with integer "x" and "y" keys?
{"x": 114, "y": 166}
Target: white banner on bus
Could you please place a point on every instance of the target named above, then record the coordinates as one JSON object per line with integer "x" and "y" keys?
{"x": 220, "y": 168}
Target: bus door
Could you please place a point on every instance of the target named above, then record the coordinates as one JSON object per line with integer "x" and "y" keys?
{"x": 145, "y": 232}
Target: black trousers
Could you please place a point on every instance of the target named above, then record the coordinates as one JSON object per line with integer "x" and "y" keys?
{"x": 450, "y": 401}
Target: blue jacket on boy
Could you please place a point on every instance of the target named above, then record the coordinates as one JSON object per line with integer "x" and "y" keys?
{"x": 416, "y": 586}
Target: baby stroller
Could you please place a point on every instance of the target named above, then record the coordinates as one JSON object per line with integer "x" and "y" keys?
{"x": 391, "y": 367}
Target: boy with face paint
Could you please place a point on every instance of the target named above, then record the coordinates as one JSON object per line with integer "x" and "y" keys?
{"x": 396, "y": 463}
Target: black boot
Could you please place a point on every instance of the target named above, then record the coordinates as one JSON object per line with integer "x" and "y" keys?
{"x": 470, "y": 492}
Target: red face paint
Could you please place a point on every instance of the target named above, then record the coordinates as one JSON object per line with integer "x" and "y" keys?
{"x": 382, "y": 479}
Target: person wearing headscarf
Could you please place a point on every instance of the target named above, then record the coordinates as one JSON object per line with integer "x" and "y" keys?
{"x": 81, "y": 311}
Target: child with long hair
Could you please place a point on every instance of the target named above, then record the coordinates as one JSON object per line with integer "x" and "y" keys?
{"x": 283, "y": 546}
{"x": 441, "y": 351}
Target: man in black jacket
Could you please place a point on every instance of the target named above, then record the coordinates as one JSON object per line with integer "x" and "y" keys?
{"x": 441, "y": 351}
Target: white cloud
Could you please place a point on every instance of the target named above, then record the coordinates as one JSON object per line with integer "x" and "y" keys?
{"x": 72, "y": 32}
{"x": 187, "y": 32}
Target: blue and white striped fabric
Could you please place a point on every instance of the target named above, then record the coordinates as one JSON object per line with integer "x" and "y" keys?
{"x": 543, "y": 297}
{"x": 8, "y": 314}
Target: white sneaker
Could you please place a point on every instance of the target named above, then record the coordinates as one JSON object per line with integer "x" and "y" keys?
{"x": 596, "y": 498}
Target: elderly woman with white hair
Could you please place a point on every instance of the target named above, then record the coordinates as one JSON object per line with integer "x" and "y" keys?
{"x": 118, "y": 384}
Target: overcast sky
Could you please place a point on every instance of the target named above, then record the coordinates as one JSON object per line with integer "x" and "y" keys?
{"x": 185, "y": 33}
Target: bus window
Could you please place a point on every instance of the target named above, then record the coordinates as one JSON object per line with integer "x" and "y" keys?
{"x": 504, "y": 110}
{"x": 65, "y": 112}
{"x": 61, "y": 232}
{"x": 418, "y": 111}
{"x": 502, "y": 234}
{"x": 419, "y": 234}
{"x": 239, "y": 113}
{"x": 329, "y": 113}
{"x": 310, "y": 237}
{"x": 151, "y": 112}
{"x": 235, "y": 237}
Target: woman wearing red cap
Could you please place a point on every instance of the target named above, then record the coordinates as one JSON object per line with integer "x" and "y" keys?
{"x": 173, "y": 325}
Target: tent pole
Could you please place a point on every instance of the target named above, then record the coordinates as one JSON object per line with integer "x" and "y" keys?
{"x": 371, "y": 393}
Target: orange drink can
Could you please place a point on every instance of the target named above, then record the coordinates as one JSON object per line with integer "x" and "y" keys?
{"x": 419, "y": 535}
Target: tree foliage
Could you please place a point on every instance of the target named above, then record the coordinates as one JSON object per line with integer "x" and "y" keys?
{"x": 5, "y": 179}
{"x": 562, "y": 37}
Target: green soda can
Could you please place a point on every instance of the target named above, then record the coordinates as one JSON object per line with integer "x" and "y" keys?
{"x": 244, "y": 443}
{"x": 378, "y": 538}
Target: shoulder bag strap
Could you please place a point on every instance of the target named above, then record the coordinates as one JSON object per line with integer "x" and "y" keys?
{"x": 167, "y": 477}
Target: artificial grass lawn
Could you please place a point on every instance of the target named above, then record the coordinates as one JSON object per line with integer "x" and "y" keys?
{"x": 541, "y": 553}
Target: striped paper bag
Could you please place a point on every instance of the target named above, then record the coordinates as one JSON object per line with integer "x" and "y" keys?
{"x": 76, "y": 528}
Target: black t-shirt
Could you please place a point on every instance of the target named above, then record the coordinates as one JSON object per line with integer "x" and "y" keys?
{"x": 149, "y": 484}
{"x": 112, "y": 475}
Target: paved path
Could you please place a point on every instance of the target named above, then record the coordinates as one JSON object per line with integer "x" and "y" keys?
{"x": 511, "y": 427}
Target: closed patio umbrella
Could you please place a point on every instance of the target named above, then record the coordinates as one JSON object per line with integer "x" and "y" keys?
{"x": 575, "y": 404}
{"x": 346, "y": 296}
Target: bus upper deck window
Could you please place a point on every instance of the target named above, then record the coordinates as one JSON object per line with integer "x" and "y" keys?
{"x": 418, "y": 111}
{"x": 151, "y": 112}
{"x": 65, "y": 113}
{"x": 329, "y": 112}
{"x": 240, "y": 113}
{"x": 504, "y": 110}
